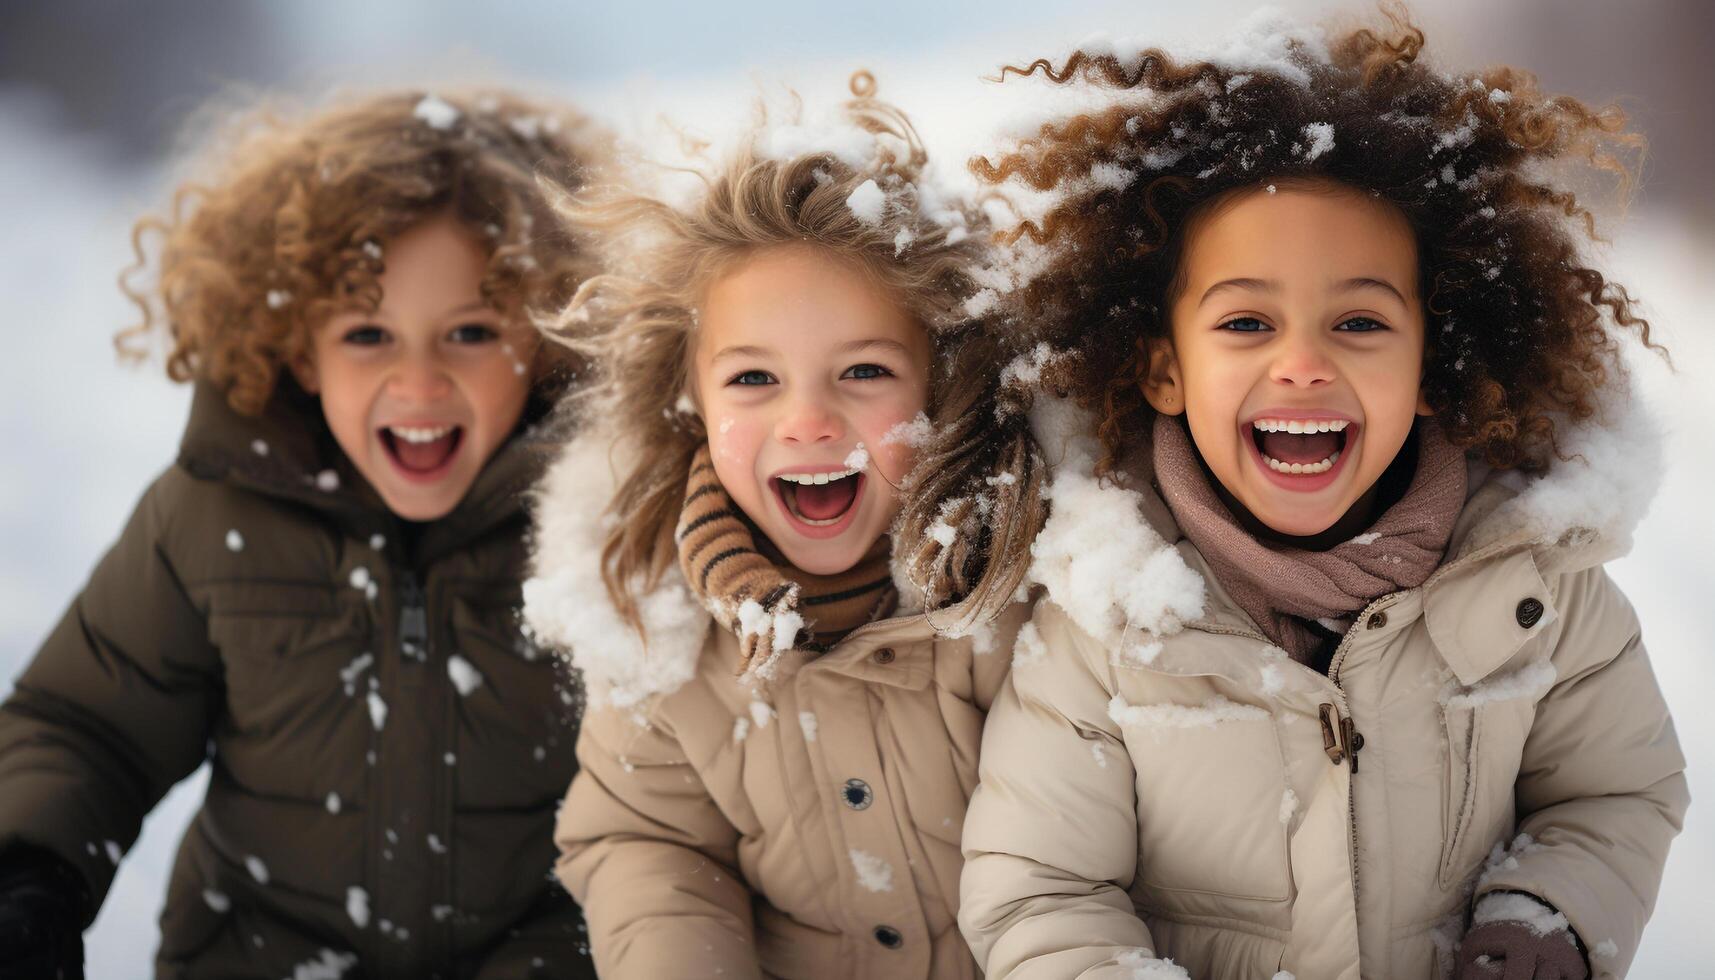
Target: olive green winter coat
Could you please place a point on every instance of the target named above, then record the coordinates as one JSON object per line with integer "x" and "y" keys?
{"x": 387, "y": 751}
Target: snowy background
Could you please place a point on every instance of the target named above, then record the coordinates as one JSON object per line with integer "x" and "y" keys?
{"x": 94, "y": 97}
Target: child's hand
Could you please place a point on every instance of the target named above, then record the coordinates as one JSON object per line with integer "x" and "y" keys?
{"x": 1509, "y": 950}
{"x": 41, "y": 903}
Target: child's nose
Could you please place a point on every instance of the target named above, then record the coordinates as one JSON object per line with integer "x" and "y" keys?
{"x": 807, "y": 421}
{"x": 1301, "y": 362}
{"x": 419, "y": 379}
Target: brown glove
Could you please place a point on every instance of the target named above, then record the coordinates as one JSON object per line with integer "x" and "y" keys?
{"x": 1520, "y": 949}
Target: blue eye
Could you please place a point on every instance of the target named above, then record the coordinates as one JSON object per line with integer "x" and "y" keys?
{"x": 365, "y": 336}
{"x": 1244, "y": 324}
{"x": 473, "y": 333}
{"x": 751, "y": 378}
{"x": 1359, "y": 324}
{"x": 866, "y": 372}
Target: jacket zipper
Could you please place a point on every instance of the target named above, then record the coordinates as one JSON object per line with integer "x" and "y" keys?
{"x": 1349, "y": 739}
{"x": 413, "y": 619}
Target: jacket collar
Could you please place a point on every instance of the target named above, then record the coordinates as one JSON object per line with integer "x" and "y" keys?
{"x": 567, "y": 606}
{"x": 1112, "y": 557}
{"x": 908, "y": 639}
{"x": 288, "y": 453}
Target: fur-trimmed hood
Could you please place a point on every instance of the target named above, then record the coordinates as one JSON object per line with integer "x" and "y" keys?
{"x": 1108, "y": 554}
{"x": 566, "y": 602}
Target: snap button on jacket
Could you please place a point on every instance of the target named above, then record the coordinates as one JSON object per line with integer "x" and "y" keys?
{"x": 807, "y": 828}
{"x": 1159, "y": 782}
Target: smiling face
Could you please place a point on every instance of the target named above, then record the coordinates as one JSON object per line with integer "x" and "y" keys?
{"x": 420, "y": 392}
{"x": 1297, "y": 352}
{"x": 801, "y": 366}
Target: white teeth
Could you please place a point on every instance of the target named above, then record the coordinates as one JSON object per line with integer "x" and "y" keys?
{"x": 816, "y": 479}
{"x": 419, "y": 435}
{"x": 1299, "y": 426}
{"x": 1301, "y": 469}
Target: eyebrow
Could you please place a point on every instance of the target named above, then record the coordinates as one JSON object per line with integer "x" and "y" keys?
{"x": 874, "y": 343}
{"x": 1271, "y": 286}
{"x": 740, "y": 351}
{"x": 471, "y": 307}
{"x": 380, "y": 312}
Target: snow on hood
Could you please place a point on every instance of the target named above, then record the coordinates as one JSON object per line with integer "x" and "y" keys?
{"x": 1590, "y": 503}
{"x": 565, "y": 599}
{"x": 1107, "y": 565}
{"x": 1098, "y": 555}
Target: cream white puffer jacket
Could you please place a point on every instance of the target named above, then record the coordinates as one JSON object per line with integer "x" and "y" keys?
{"x": 1159, "y": 782}
{"x": 807, "y": 827}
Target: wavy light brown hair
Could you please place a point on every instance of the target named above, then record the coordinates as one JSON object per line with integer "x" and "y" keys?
{"x": 288, "y": 219}
{"x": 637, "y": 327}
{"x": 1520, "y": 331}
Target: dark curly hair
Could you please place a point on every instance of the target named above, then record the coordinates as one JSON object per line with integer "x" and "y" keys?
{"x": 288, "y": 220}
{"x": 1520, "y": 332}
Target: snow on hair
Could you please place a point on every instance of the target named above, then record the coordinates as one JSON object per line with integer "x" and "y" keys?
{"x": 789, "y": 184}
{"x": 287, "y": 218}
{"x": 1522, "y": 334}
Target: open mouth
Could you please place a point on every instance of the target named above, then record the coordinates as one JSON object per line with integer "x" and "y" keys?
{"x": 819, "y": 500}
{"x": 1301, "y": 447}
{"x": 422, "y": 452}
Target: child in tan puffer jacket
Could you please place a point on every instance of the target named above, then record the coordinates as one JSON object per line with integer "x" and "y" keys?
{"x": 780, "y": 741}
{"x": 1329, "y": 680}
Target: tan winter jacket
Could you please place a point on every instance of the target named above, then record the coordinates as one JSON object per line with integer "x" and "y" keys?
{"x": 1158, "y": 781}
{"x": 808, "y": 827}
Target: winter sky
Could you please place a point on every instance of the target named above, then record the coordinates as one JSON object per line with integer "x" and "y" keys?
{"x": 84, "y": 435}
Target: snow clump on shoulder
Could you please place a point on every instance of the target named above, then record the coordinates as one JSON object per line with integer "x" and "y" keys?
{"x": 1098, "y": 556}
{"x": 1144, "y": 966}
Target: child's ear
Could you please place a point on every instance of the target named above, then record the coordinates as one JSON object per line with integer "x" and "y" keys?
{"x": 1163, "y": 386}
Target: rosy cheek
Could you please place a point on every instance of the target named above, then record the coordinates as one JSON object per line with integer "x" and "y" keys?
{"x": 736, "y": 440}
{"x": 892, "y": 450}
{"x": 721, "y": 439}
{"x": 519, "y": 365}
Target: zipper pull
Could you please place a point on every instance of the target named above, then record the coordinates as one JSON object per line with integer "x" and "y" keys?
{"x": 1331, "y": 732}
{"x": 413, "y": 620}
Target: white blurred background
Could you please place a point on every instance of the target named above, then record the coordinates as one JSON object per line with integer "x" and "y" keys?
{"x": 95, "y": 96}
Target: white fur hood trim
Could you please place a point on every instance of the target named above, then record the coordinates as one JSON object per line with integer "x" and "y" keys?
{"x": 1103, "y": 561}
{"x": 566, "y": 603}
{"x": 1098, "y": 555}
{"x": 1589, "y": 504}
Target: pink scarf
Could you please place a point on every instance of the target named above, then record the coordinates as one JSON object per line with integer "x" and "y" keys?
{"x": 1301, "y": 599}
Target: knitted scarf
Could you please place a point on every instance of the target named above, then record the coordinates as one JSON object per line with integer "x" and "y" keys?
{"x": 752, "y": 590}
{"x": 1304, "y": 600}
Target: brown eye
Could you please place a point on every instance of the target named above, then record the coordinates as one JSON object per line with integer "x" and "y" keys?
{"x": 367, "y": 335}
{"x": 473, "y": 333}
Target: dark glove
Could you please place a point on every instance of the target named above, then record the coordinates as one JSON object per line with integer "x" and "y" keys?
{"x": 1514, "y": 951}
{"x": 43, "y": 901}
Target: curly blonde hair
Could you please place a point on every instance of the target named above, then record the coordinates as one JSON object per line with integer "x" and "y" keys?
{"x": 288, "y": 221}
{"x": 637, "y": 329}
{"x": 1520, "y": 330}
